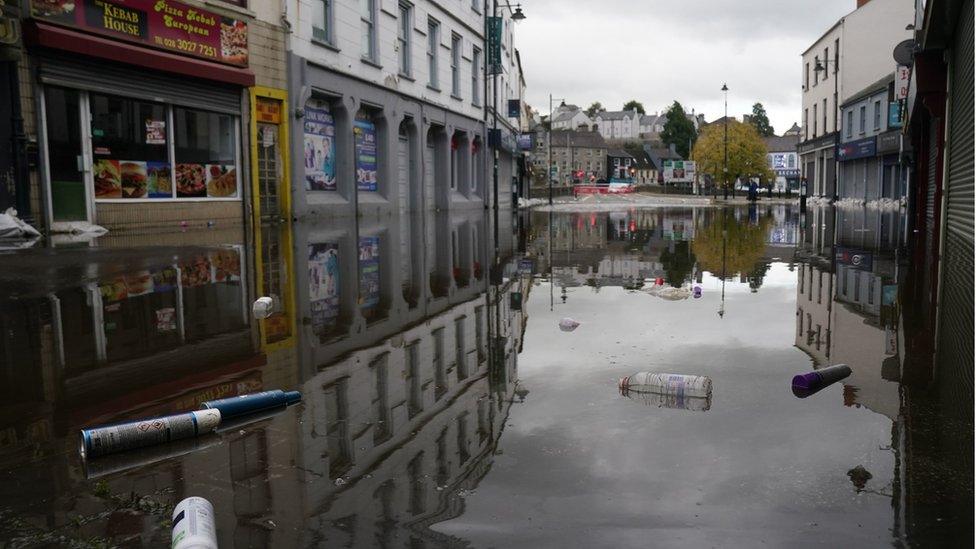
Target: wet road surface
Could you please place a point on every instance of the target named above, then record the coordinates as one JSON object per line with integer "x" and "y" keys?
{"x": 443, "y": 407}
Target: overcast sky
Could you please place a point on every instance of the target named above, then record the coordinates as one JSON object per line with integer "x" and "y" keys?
{"x": 657, "y": 51}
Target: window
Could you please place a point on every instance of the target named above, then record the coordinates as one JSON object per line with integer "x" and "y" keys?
{"x": 433, "y": 40}
{"x": 476, "y": 5}
{"x": 863, "y": 116}
{"x": 403, "y": 37}
{"x": 322, "y": 20}
{"x": 877, "y": 115}
{"x": 848, "y": 131}
{"x": 455, "y": 65}
{"x": 476, "y": 77}
{"x": 133, "y": 130}
{"x": 206, "y": 153}
{"x": 806, "y": 77}
{"x": 806, "y": 126}
{"x": 824, "y": 113}
{"x": 836, "y": 55}
{"x": 816, "y": 73}
{"x": 826, "y": 73}
{"x": 368, "y": 29}
{"x": 815, "y": 120}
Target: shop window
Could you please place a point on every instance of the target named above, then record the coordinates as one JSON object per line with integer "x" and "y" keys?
{"x": 364, "y": 137}
{"x": 206, "y": 154}
{"x": 319, "y": 146}
{"x": 129, "y": 146}
{"x": 323, "y": 287}
{"x": 369, "y": 277}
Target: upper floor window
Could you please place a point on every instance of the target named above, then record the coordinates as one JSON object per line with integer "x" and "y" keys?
{"x": 863, "y": 118}
{"x": 476, "y": 76}
{"x": 877, "y": 115}
{"x": 806, "y": 77}
{"x": 322, "y": 20}
{"x": 433, "y": 40}
{"x": 476, "y": 5}
{"x": 368, "y": 29}
{"x": 826, "y": 57}
{"x": 816, "y": 73}
{"x": 403, "y": 37}
{"x": 848, "y": 131}
{"x": 815, "y": 120}
{"x": 455, "y": 65}
{"x": 806, "y": 126}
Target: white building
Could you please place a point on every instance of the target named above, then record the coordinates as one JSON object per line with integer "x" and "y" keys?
{"x": 570, "y": 120}
{"x": 618, "y": 124}
{"x": 854, "y": 52}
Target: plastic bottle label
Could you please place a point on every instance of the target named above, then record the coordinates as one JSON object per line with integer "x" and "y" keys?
{"x": 118, "y": 438}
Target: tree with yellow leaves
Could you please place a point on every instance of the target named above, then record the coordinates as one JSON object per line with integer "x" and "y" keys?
{"x": 747, "y": 153}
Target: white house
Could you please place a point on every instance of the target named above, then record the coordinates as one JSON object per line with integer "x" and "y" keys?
{"x": 618, "y": 124}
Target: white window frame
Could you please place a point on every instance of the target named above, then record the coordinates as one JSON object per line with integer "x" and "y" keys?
{"x": 456, "y": 65}
{"x": 849, "y": 131}
{"x": 475, "y": 76}
{"x": 324, "y": 33}
{"x": 863, "y": 117}
{"x": 368, "y": 18}
{"x": 433, "y": 42}
{"x": 404, "y": 42}
{"x": 877, "y": 114}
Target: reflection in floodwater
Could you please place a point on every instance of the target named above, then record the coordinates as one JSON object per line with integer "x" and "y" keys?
{"x": 413, "y": 349}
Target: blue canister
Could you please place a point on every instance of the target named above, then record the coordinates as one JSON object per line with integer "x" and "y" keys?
{"x": 253, "y": 403}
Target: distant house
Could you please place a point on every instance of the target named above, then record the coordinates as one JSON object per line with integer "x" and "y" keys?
{"x": 651, "y": 125}
{"x": 657, "y": 156}
{"x": 570, "y": 120}
{"x": 619, "y": 164}
{"x": 781, "y": 156}
{"x": 618, "y": 124}
{"x": 576, "y": 155}
{"x": 646, "y": 173}
{"x": 794, "y": 130}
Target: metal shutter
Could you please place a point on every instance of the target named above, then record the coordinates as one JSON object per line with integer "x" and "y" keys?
{"x": 117, "y": 79}
{"x": 955, "y": 345}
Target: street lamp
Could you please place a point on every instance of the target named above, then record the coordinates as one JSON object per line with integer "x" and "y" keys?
{"x": 725, "y": 164}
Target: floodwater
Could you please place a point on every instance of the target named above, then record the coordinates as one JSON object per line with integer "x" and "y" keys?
{"x": 443, "y": 406}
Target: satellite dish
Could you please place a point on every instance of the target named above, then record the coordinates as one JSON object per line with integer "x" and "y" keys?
{"x": 903, "y": 52}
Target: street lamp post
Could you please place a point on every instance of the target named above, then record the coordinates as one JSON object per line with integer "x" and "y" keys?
{"x": 725, "y": 164}
{"x": 818, "y": 68}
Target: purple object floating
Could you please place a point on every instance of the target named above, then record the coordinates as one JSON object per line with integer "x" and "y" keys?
{"x": 809, "y": 383}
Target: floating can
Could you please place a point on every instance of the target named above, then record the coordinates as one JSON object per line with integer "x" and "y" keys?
{"x": 668, "y": 384}
{"x": 110, "y": 439}
{"x": 193, "y": 524}
{"x": 253, "y": 403}
{"x": 809, "y": 383}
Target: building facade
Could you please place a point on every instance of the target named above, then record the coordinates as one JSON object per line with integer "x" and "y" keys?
{"x": 618, "y": 124}
{"x": 854, "y": 52}
{"x": 579, "y": 156}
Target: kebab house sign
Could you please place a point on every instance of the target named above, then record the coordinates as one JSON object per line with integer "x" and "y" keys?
{"x": 163, "y": 24}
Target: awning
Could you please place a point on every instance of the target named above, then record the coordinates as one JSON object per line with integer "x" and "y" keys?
{"x": 42, "y": 34}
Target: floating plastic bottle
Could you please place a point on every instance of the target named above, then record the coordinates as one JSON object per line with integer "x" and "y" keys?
{"x": 262, "y": 307}
{"x": 253, "y": 403}
{"x": 809, "y": 383}
{"x": 668, "y": 384}
{"x": 568, "y": 324}
{"x": 110, "y": 439}
{"x": 672, "y": 400}
{"x": 193, "y": 525}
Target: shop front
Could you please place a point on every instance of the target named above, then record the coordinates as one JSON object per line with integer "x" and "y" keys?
{"x": 818, "y": 166}
{"x": 139, "y": 114}
{"x": 859, "y": 169}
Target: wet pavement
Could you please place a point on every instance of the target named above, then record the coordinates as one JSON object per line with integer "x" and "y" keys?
{"x": 444, "y": 407}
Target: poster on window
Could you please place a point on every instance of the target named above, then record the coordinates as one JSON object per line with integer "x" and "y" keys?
{"x": 221, "y": 180}
{"x": 369, "y": 272}
{"x": 323, "y": 284}
{"x": 320, "y": 149}
{"x": 226, "y": 265}
{"x": 155, "y": 132}
{"x": 364, "y": 132}
{"x": 159, "y": 179}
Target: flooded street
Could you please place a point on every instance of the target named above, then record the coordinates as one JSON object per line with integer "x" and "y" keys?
{"x": 443, "y": 406}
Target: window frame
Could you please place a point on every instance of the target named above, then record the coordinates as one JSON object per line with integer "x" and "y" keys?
{"x": 849, "y": 129}
{"x": 372, "y": 54}
{"x": 456, "y": 44}
{"x": 476, "y": 75}
{"x": 863, "y": 118}
{"x": 433, "y": 43}
{"x": 404, "y": 38}
{"x": 877, "y": 114}
{"x": 325, "y": 34}
{"x": 814, "y": 120}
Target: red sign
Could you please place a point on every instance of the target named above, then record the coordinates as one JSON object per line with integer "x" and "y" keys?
{"x": 163, "y": 24}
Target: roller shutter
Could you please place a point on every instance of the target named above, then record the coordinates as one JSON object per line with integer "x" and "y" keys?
{"x": 85, "y": 73}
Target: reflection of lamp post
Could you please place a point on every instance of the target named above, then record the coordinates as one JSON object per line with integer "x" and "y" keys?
{"x": 725, "y": 163}
{"x": 725, "y": 234}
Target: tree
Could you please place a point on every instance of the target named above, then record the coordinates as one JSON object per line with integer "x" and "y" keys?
{"x": 747, "y": 153}
{"x": 594, "y": 108}
{"x": 678, "y": 130}
{"x": 679, "y": 264}
{"x": 634, "y": 105}
{"x": 725, "y": 247}
{"x": 761, "y": 121}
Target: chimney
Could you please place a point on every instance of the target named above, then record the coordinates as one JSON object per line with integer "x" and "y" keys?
{"x": 671, "y": 148}
{"x": 862, "y": 2}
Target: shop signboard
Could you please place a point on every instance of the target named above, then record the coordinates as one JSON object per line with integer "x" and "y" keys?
{"x": 162, "y": 24}
{"x": 852, "y": 150}
{"x": 514, "y": 108}
{"x": 889, "y": 142}
{"x": 525, "y": 141}
{"x": 679, "y": 171}
{"x": 364, "y": 133}
{"x": 494, "y": 45}
{"x": 369, "y": 272}
{"x": 894, "y": 114}
{"x": 320, "y": 148}
{"x": 323, "y": 285}
{"x": 903, "y": 75}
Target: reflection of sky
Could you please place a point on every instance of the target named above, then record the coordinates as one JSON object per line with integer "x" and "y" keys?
{"x": 582, "y": 466}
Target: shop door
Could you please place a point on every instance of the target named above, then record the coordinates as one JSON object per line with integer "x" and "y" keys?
{"x": 67, "y": 158}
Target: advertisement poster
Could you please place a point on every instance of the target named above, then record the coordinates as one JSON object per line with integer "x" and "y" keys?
{"x": 134, "y": 179}
{"x": 679, "y": 171}
{"x": 369, "y": 272}
{"x": 166, "y": 319}
{"x": 159, "y": 180}
{"x": 164, "y": 280}
{"x": 323, "y": 284}
{"x": 162, "y": 24}
{"x": 226, "y": 265}
{"x": 320, "y": 149}
{"x": 221, "y": 180}
{"x": 364, "y": 133}
{"x": 155, "y": 132}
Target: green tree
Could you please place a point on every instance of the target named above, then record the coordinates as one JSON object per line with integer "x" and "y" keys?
{"x": 747, "y": 153}
{"x": 761, "y": 121}
{"x": 634, "y": 105}
{"x": 726, "y": 247}
{"x": 678, "y": 130}
{"x": 594, "y": 108}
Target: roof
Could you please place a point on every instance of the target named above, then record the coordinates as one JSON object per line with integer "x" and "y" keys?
{"x": 619, "y": 153}
{"x": 794, "y": 129}
{"x": 657, "y": 155}
{"x": 825, "y": 33}
{"x": 564, "y": 116}
{"x": 578, "y": 139}
{"x": 643, "y": 161}
{"x": 870, "y": 90}
{"x": 648, "y": 119}
{"x": 775, "y": 143}
{"x": 616, "y": 115}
